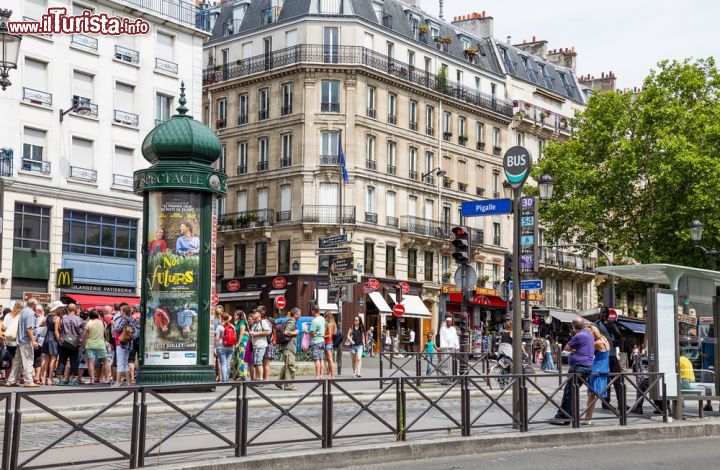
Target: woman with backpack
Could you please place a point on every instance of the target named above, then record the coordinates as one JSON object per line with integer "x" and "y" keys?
{"x": 356, "y": 341}
{"x": 125, "y": 331}
{"x": 225, "y": 339}
{"x": 330, "y": 332}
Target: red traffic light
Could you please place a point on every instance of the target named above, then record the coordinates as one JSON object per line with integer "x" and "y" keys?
{"x": 459, "y": 231}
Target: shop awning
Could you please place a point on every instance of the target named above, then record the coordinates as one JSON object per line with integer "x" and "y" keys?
{"x": 323, "y": 301}
{"x": 564, "y": 317}
{"x": 479, "y": 299}
{"x": 414, "y": 307}
{"x": 276, "y": 293}
{"x": 240, "y": 296}
{"x": 635, "y": 327}
{"x": 99, "y": 301}
{"x": 379, "y": 302}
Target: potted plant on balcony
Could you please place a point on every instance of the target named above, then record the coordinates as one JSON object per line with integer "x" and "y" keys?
{"x": 442, "y": 79}
{"x": 447, "y": 40}
{"x": 470, "y": 52}
{"x": 251, "y": 220}
{"x": 438, "y": 40}
{"x": 482, "y": 279}
{"x": 462, "y": 139}
{"x": 424, "y": 28}
{"x": 563, "y": 122}
{"x": 521, "y": 114}
{"x": 446, "y": 276}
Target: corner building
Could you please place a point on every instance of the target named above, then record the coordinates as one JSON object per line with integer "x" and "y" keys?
{"x": 423, "y": 125}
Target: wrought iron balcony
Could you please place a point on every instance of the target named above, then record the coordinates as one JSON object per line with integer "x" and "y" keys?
{"x": 429, "y": 131}
{"x": 263, "y": 165}
{"x": 462, "y": 140}
{"x": 37, "y": 96}
{"x": 447, "y": 183}
{"x": 413, "y": 126}
{"x": 330, "y": 107}
{"x": 413, "y": 175}
{"x": 286, "y": 110}
{"x": 496, "y": 240}
{"x": 36, "y": 166}
{"x": 328, "y": 214}
{"x": 220, "y": 123}
{"x": 527, "y": 112}
{"x": 180, "y": 10}
{"x": 329, "y": 159}
{"x": 263, "y": 114}
{"x": 84, "y": 41}
{"x": 429, "y": 179}
{"x": 284, "y": 216}
{"x": 392, "y": 119}
{"x": 479, "y": 191}
{"x": 357, "y": 55}
{"x": 371, "y": 217}
{"x": 391, "y": 169}
{"x": 285, "y": 162}
{"x": 242, "y": 169}
{"x": 166, "y": 66}
{"x": 447, "y": 136}
{"x": 371, "y": 112}
{"x": 462, "y": 187}
{"x": 242, "y": 119}
{"x": 130, "y": 119}
{"x": 370, "y": 164}
{"x": 563, "y": 260}
{"x": 392, "y": 221}
{"x": 83, "y": 174}
{"x": 127, "y": 55}
{"x": 480, "y": 146}
{"x": 6, "y": 162}
{"x": 122, "y": 181}
{"x": 427, "y": 227}
{"x": 497, "y": 151}
{"x": 246, "y": 220}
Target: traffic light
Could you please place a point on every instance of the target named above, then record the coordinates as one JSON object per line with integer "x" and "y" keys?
{"x": 461, "y": 244}
{"x": 508, "y": 267}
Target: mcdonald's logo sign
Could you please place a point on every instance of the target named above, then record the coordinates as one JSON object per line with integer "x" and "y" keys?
{"x": 64, "y": 278}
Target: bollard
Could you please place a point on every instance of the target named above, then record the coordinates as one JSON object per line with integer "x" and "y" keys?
{"x": 558, "y": 353}
{"x": 8, "y": 425}
{"x": 328, "y": 423}
{"x": 418, "y": 368}
{"x": 575, "y": 389}
{"x": 244, "y": 427}
{"x": 622, "y": 400}
{"x": 142, "y": 428}
{"x": 664, "y": 397}
{"x": 134, "y": 431}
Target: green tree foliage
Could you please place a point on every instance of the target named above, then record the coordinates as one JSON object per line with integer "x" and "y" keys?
{"x": 639, "y": 169}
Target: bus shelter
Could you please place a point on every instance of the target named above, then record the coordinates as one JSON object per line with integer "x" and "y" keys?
{"x": 663, "y": 314}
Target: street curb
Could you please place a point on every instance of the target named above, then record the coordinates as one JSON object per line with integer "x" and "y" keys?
{"x": 453, "y": 447}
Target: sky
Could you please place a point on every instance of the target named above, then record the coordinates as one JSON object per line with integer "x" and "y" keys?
{"x": 628, "y": 37}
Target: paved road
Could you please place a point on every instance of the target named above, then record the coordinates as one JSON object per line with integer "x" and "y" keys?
{"x": 700, "y": 453}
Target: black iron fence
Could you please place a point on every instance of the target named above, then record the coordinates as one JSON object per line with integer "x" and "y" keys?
{"x": 242, "y": 415}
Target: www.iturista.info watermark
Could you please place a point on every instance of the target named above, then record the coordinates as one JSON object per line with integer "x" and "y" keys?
{"x": 57, "y": 21}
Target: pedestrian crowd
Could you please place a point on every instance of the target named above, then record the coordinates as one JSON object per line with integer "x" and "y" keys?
{"x": 65, "y": 345}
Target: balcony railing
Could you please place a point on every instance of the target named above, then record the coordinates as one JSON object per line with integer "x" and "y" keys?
{"x": 127, "y": 55}
{"x": 182, "y": 11}
{"x": 130, "y": 119}
{"x": 285, "y": 162}
{"x": 328, "y": 214}
{"x": 263, "y": 166}
{"x": 166, "y": 65}
{"x": 85, "y": 41}
{"x": 480, "y": 146}
{"x": 284, "y": 216}
{"x": 462, "y": 187}
{"x": 371, "y": 112}
{"x": 357, "y": 55}
{"x": 242, "y": 119}
{"x": 429, "y": 131}
{"x": 370, "y": 164}
{"x": 477, "y": 237}
{"x": 413, "y": 126}
{"x": 447, "y": 183}
{"x": 567, "y": 261}
{"x": 242, "y": 169}
{"x": 37, "y": 96}
{"x": 371, "y": 217}
{"x": 220, "y": 123}
{"x": 6, "y": 162}
{"x": 391, "y": 169}
{"x": 330, "y": 107}
{"x": 83, "y": 174}
{"x": 496, "y": 240}
{"x": 462, "y": 140}
{"x": 231, "y": 27}
{"x": 263, "y": 114}
{"x": 429, "y": 179}
{"x": 329, "y": 159}
{"x": 122, "y": 180}
{"x": 36, "y": 166}
{"x": 479, "y": 191}
{"x": 447, "y": 136}
{"x": 497, "y": 151}
{"x": 286, "y": 110}
{"x": 540, "y": 116}
{"x": 426, "y": 227}
{"x": 413, "y": 175}
{"x": 246, "y": 219}
{"x": 392, "y": 221}
{"x": 392, "y": 119}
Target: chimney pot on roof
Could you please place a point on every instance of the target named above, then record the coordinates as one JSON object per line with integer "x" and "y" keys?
{"x": 483, "y": 13}
{"x": 533, "y": 39}
{"x": 524, "y": 41}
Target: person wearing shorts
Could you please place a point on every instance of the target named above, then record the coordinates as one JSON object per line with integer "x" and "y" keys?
{"x": 317, "y": 343}
{"x": 95, "y": 347}
{"x": 259, "y": 334}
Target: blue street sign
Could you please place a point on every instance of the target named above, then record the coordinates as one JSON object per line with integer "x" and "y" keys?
{"x": 527, "y": 240}
{"x": 527, "y": 221}
{"x": 487, "y": 207}
{"x": 530, "y": 284}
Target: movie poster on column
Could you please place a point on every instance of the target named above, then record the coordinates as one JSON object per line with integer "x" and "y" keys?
{"x": 172, "y": 280}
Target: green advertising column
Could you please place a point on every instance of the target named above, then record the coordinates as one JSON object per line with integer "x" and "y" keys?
{"x": 180, "y": 191}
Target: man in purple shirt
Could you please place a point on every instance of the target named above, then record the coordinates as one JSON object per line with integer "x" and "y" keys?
{"x": 582, "y": 353}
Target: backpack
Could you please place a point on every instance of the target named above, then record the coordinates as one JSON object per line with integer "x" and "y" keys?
{"x": 338, "y": 339}
{"x": 280, "y": 333}
{"x": 229, "y": 336}
{"x": 127, "y": 333}
{"x": 271, "y": 337}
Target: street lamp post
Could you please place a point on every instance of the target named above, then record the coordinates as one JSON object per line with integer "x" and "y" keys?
{"x": 9, "y": 49}
{"x": 696, "y": 230}
{"x": 440, "y": 173}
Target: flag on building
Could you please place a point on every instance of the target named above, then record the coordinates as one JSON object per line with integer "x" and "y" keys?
{"x": 342, "y": 164}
